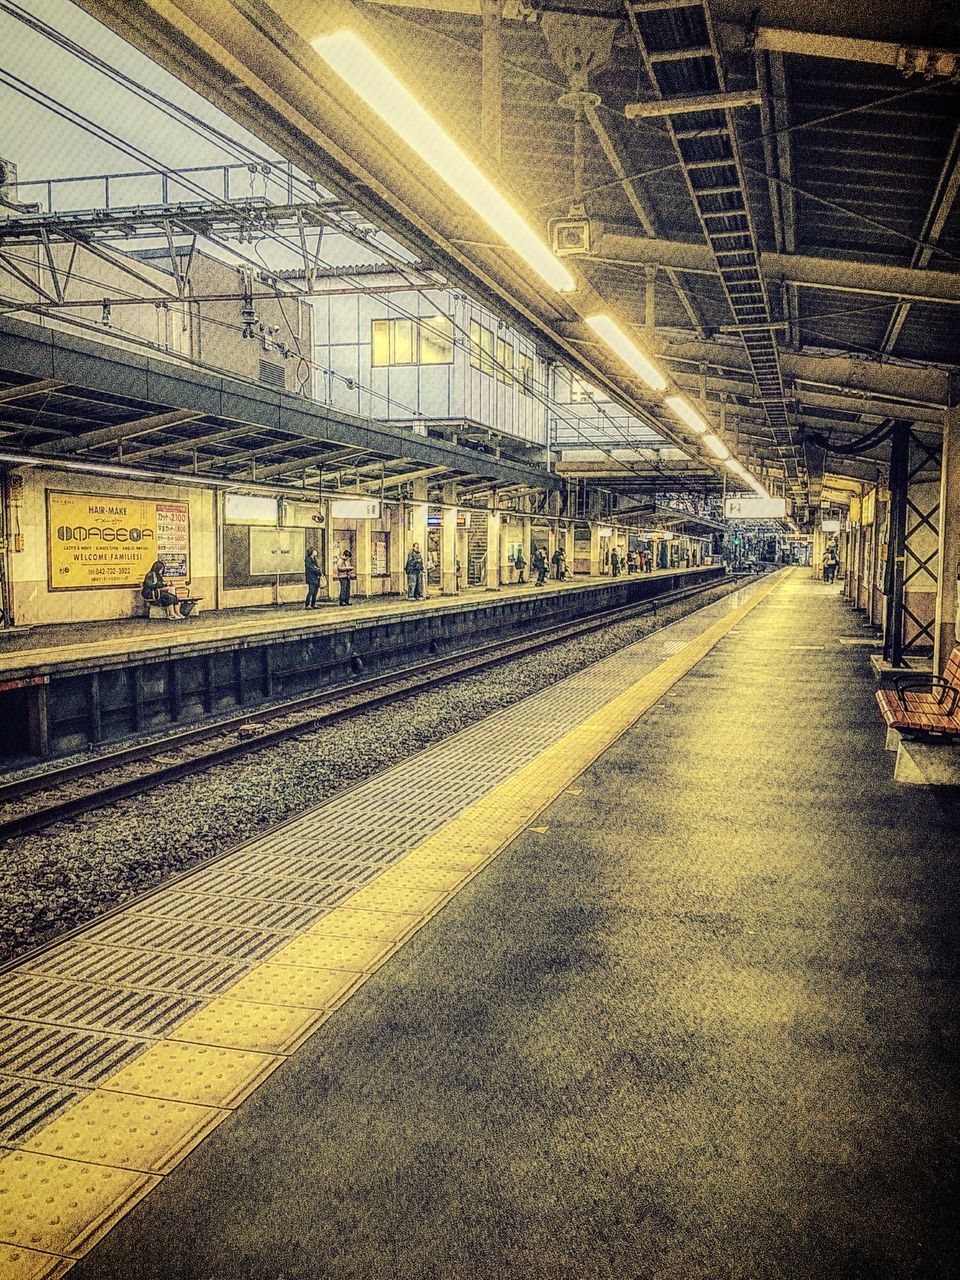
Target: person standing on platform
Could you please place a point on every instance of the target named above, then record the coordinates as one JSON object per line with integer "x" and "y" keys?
{"x": 345, "y": 574}
{"x": 313, "y": 577}
{"x": 831, "y": 563}
{"x": 561, "y": 565}
{"x": 519, "y": 564}
{"x": 414, "y": 572}
{"x": 538, "y": 564}
{"x": 615, "y": 563}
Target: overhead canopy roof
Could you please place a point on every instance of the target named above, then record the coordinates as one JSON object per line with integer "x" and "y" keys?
{"x": 753, "y": 164}
{"x": 69, "y": 398}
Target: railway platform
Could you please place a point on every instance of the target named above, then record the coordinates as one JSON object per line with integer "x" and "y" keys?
{"x": 638, "y": 976}
{"x": 65, "y": 688}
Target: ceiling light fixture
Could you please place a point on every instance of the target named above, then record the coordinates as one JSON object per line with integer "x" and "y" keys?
{"x": 373, "y": 81}
{"x": 687, "y": 413}
{"x": 628, "y": 351}
{"x": 716, "y": 446}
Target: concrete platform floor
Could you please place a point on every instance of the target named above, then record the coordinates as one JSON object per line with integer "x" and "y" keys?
{"x": 703, "y": 1026}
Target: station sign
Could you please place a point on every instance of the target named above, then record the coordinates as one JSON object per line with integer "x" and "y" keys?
{"x": 104, "y": 541}
{"x": 755, "y": 508}
{"x": 249, "y": 508}
{"x": 355, "y": 508}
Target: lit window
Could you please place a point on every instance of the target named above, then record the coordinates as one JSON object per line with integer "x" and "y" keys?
{"x": 436, "y": 340}
{"x": 525, "y": 373}
{"x": 403, "y": 337}
{"x": 481, "y": 347}
{"x": 380, "y": 343}
{"x": 396, "y": 342}
{"x": 504, "y": 361}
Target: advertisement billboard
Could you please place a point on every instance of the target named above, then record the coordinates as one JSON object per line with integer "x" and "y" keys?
{"x": 99, "y": 541}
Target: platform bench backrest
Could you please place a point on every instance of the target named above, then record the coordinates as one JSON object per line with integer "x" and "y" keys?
{"x": 951, "y": 672}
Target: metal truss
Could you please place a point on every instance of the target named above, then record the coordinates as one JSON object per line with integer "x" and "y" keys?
{"x": 913, "y": 558}
{"x": 680, "y": 52}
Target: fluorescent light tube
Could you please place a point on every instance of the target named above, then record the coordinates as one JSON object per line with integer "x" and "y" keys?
{"x": 716, "y": 446}
{"x": 346, "y": 54}
{"x": 687, "y": 413}
{"x": 628, "y": 351}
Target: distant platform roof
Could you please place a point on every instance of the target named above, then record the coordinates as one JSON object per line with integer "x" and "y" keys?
{"x": 68, "y": 398}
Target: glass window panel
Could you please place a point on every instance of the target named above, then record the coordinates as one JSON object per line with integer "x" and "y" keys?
{"x": 505, "y": 361}
{"x": 474, "y": 344}
{"x": 403, "y": 342}
{"x": 486, "y": 346}
{"x": 380, "y": 343}
{"x": 436, "y": 340}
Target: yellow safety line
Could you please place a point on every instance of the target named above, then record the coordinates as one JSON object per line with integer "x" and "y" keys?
{"x": 73, "y": 1180}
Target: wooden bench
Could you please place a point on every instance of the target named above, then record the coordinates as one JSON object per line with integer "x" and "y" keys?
{"x": 933, "y": 711}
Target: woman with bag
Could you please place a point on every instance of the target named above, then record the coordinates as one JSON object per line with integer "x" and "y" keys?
{"x": 344, "y": 573}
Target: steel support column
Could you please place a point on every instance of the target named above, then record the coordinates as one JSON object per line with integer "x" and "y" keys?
{"x": 896, "y": 540}
{"x": 945, "y": 628}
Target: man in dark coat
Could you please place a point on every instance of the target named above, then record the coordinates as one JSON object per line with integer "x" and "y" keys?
{"x": 414, "y": 572}
{"x": 313, "y": 578}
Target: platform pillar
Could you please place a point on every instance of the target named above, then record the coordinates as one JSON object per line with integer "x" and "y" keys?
{"x": 595, "y": 565}
{"x": 567, "y": 544}
{"x": 397, "y": 553}
{"x": 326, "y": 552}
{"x": 492, "y": 581}
{"x": 448, "y": 541}
{"x": 947, "y": 620}
{"x": 416, "y": 525}
{"x": 526, "y": 541}
{"x": 363, "y": 558}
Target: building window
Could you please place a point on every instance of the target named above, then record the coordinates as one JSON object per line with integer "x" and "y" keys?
{"x": 436, "y": 340}
{"x": 428, "y": 341}
{"x": 504, "y": 361}
{"x": 481, "y": 347}
{"x": 525, "y": 373}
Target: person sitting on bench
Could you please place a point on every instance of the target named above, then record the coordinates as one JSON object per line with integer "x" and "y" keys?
{"x": 156, "y": 590}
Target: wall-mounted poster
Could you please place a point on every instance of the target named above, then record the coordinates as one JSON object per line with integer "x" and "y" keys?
{"x": 97, "y": 540}
{"x": 379, "y": 553}
{"x": 276, "y": 551}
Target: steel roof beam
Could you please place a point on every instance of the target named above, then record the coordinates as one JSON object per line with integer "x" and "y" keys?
{"x": 885, "y": 53}
{"x": 844, "y": 275}
{"x": 941, "y": 206}
{"x": 43, "y": 387}
{"x": 118, "y": 432}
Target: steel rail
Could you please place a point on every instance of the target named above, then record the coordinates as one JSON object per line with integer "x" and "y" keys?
{"x": 363, "y": 695}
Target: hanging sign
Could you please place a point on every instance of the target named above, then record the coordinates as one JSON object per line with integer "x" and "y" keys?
{"x": 97, "y": 540}
{"x": 755, "y": 508}
{"x": 249, "y": 508}
{"x": 355, "y": 508}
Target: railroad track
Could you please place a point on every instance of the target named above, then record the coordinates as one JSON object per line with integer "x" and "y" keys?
{"x": 31, "y": 803}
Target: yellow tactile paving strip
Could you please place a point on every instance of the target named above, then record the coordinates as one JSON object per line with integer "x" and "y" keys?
{"x": 168, "y": 637}
{"x": 78, "y": 1175}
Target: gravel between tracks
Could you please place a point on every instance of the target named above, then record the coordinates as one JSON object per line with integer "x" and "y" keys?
{"x": 69, "y": 873}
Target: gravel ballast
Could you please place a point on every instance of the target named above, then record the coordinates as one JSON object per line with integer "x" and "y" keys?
{"x": 71, "y": 872}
